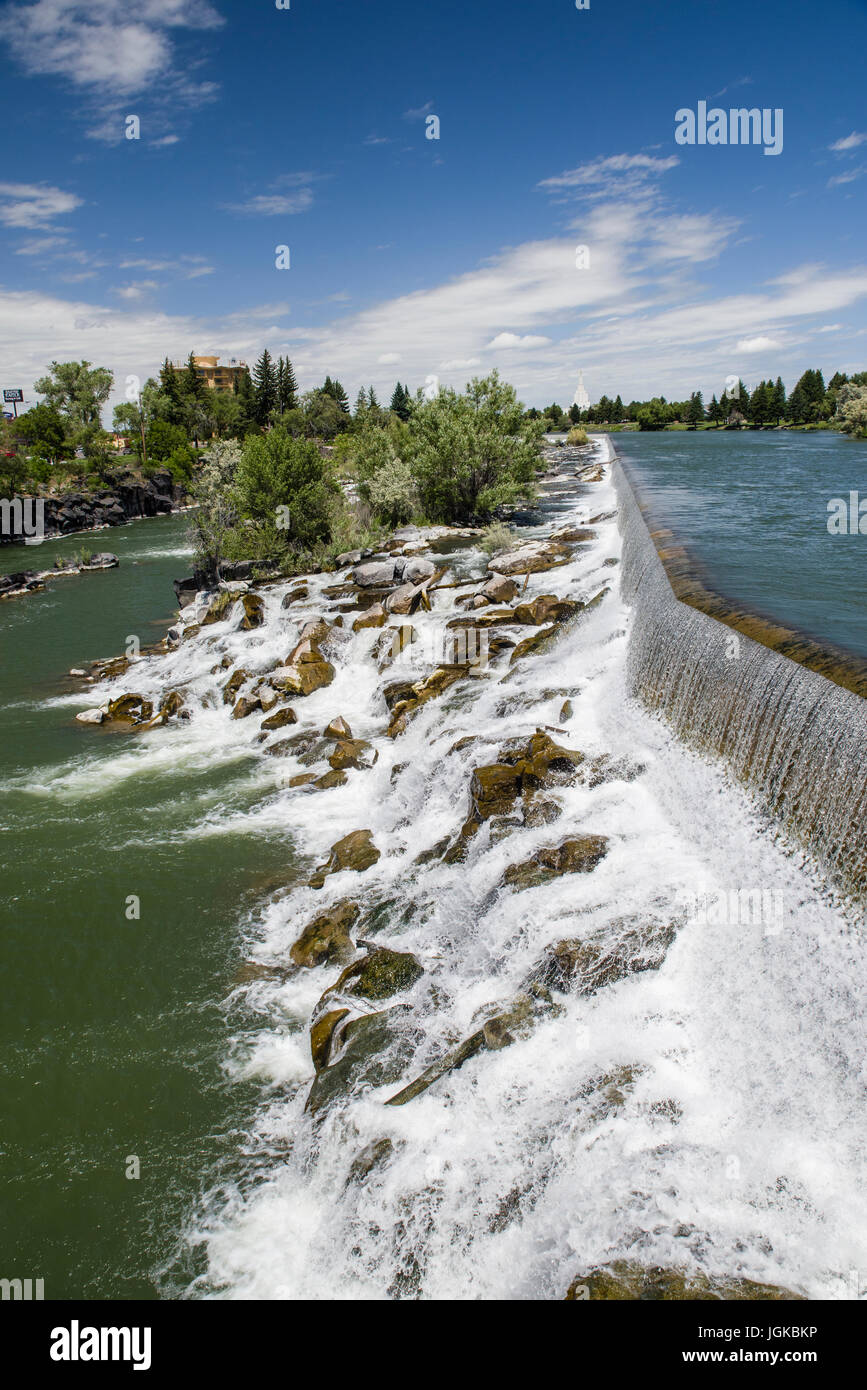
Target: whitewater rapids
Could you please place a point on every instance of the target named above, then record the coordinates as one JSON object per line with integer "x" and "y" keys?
{"x": 708, "y": 1115}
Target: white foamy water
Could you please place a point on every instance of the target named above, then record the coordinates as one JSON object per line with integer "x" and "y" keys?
{"x": 708, "y": 1114}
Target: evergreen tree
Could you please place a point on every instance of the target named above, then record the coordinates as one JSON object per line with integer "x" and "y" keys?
{"x": 246, "y": 394}
{"x": 265, "y": 385}
{"x": 778, "y": 401}
{"x": 693, "y": 413}
{"x": 714, "y": 410}
{"x": 401, "y": 402}
{"x": 361, "y": 404}
{"x": 372, "y": 399}
{"x": 192, "y": 386}
{"x": 616, "y": 412}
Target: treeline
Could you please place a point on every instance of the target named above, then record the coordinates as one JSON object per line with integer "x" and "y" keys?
{"x": 810, "y": 403}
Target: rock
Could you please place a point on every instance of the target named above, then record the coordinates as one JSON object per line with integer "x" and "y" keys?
{"x": 547, "y": 608}
{"x": 406, "y": 599}
{"x": 430, "y": 688}
{"x": 566, "y": 712}
{"x": 522, "y": 770}
{"x": 297, "y": 595}
{"x": 372, "y": 1156}
{"x": 379, "y": 574}
{"x": 233, "y": 685}
{"x": 92, "y": 716}
{"x": 327, "y": 937}
{"x": 374, "y": 617}
{"x": 104, "y": 561}
{"x": 353, "y": 752}
{"x": 78, "y": 673}
{"x": 279, "y": 720}
{"x": 355, "y": 851}
{"x": 246, "y": 706}
{"x": 416, "y": 571}
{"x": 604, "y": 958}
{"x": 375, "y": 1051}
{"x": 450, "y": 1062}
{"x": 268, "y": 697}
{"x": 254, "y": 611}
{"x": 129, "y": 709}
{"x": 539, "y": 813}
{"x": 303, "y": 779}
{"x": 536, "y": 643}
{"x": 379, "y": 975}
{"x": 499, "y": 589}
{"x": 311, "y": 674}
{"x": 578, "y": 855}
{"x": 321, "y": 1034}
{"x": 110, "y": 669}
{"x": 338, "y": 728}
{"x": 349, "y": 557}
{"x": 530, "y": 559}
{"x": 186, "y": 590}
{"x": 171, "y": 703}
{"x": 625, "y": 1279}
{"x": 335, "y": 778}
{"x": 219, "y": 607}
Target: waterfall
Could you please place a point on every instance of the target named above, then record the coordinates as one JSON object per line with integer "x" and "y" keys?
{"x": 792, "y": 736}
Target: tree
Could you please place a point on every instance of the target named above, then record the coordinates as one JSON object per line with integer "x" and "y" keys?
{"x": 265, "y": 387}
{"x": 216, "y": 511}
{"x": 778, "y": 401}
{"x": 245, "y": 395}
{"x": 192, "y": 386}
{"x": 400, "y": 402}
{"x": 616, "y": 411}
{"x": 655, "y": 415}
{"x": 77, "y": 392}
{"x": 336, "y": 392}
{"x": 324, "y": 417}
{"x": 715, "y": 411}
{"x": 851, "y": 414}
{"x": 474, "y": 452}
{"x": 41, "y": 429}
{"x": 287, "y": 386}
{"x": 277, "y": 471}
{"x": 693, "y": 413}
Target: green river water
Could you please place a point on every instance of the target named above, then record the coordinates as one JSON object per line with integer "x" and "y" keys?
{"x": 113, "y": 1030}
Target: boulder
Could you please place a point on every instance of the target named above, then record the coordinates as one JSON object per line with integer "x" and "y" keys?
{"x": 371, "y": 1156}
{"x": 129, "y": 709}
{"x": 254, "y": 611}
{"x": 268, "y": 697}
{"x": 297, "y": 595}
{"x": 309, "y": 675}
{"x": 375, "y": 1048}
{"x": 416, "y": 571}
{"x": 499, "y": 589}
{"x": 378, "y": 574}
{"x": 374, "y": 617}
{"x": 247, "y": 705}
{"x": 219, "y": 607}
{"x": 406, "y": 599}
{"x": 335, "y": 778}
{"x": 327, "y": 938}
{"x": 578, "y": 855}
{"x": 602, "y": 959}
{"x": 171, "y": 703}
{"x": 379, "y": 975}
{"x": 92, "y": 716}
{"x": 349, "y": 557}
{"x": 338, "y": 728}
{"x": 530, "y": 559}
{"x": 547, "y": 608}
{"x": 353, "y": 752}
{"x": 355, "y": 851}
{"x": 279, "y": 720}
{"x": 233, "y": 685}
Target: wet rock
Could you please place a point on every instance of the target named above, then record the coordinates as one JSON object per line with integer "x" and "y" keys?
{"x": 327, "y": 937}
{"x": 296, "y": 595}
{"x": 219, "y": 606}
{"x": 524, "y": 768}
{"x": 392, "y": 643}
{"x": 530, "y": 559}
{"x": 311, "y": 673}
{"x": 449, "y": 1063}
{"x": 233, "y": 685}
{"x": 338, "y": 728}
{"x": 578, "y": 535}
{"x": 407, "y": 599}
{"x": 254, "y": 611}
{"x": 625, "y": 1279}
{"x": 538, "y": 642}
{"x": 321, "y": 1034}
{"x": 110, "y": 669}
{"x": 566, "y": 712}
{"x": 335, "y": 778}
{"x": 353, "y": 752}
{"x": 602, "y": 959}
{"x": 435, "y": 852}
{"x": 375, "y": 616}
{"x": 430, "y": 688}
{"x": 418, "y": 571}
{"x": 355, "y": 851}
{"x": 280, "y": 719}
{"x": 372, "y": 1156}
{"x": 247, "y": 705}
{"x": 129, "y": 709}
{"x": 578, "y": 855}
{"x": 547, "y": 608}
{"x": 268, "y": 697}
{"x": 349, "y": 557}
{"x": 375, "y": 1051}
{"x": 92, "y": 716}
{"x": 379, "y": 975}
{"x": 171, "y": 703}
{"x": 539, "y": 813}
{"x": 303, "y": 779}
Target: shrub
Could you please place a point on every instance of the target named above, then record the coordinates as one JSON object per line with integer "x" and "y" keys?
{"x": 577, "y": 436}
{"x": 285, "y": 481}
{"x": 496, "y": 538}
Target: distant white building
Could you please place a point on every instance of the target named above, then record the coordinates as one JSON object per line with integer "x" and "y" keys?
{"x": 581, "y": 398}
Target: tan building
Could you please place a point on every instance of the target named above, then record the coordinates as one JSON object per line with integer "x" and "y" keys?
{"x": 217, "y": 376}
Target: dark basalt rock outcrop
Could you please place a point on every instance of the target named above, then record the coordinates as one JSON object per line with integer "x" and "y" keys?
{"x": 124, "y": 498}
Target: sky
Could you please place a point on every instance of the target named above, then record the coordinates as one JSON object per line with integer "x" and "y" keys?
{"x": 433, "y": 259}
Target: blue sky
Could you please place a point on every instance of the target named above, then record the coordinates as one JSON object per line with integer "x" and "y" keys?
{"x": 414, "y": 258}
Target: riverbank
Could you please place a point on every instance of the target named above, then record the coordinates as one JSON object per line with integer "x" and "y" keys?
{"x": 127, "y": 497}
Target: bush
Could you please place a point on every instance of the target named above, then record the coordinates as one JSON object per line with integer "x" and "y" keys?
{"x": 286, "y": 483}
{"x": 474, "y": 452}
{"x": 577, "y": 436}
{"x": 496, "y": 538}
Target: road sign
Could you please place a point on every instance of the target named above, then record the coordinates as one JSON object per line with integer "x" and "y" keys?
{"x": 16, "y": 395}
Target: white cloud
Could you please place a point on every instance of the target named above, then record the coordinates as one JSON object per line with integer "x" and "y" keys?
{"x": 610, "y": 175}
{"x": 34, "y": 206}
{"x": 40, "y": 246}
{"x": 388, "y": 359}
{"x": 831, "y": 328}
{"x": 848, "y": 177}
{"x": 273, "y": 204}
{"x": 758, "y": 344}
{"x": 515, "y": 340}
{"x": 849, "y": 142}
{"x": 137, "y": 290}
{"x": 106, "y": 45}
{"x": 418, "y": 113}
